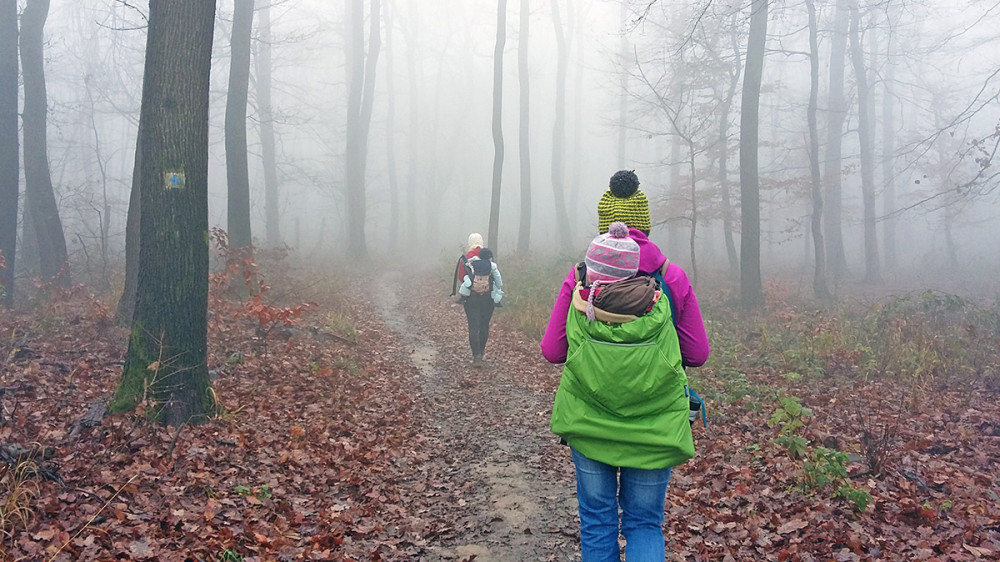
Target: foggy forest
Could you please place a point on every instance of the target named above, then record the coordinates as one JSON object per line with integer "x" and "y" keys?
{"x": 233, "y": 326}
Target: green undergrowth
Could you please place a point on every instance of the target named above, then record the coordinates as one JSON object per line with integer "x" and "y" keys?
{"x": 530, "y": 288}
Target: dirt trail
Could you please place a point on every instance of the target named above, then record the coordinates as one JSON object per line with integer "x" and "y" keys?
{"x": 517, "y": 500}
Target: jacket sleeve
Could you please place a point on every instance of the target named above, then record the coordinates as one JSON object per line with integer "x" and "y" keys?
{"x": 554, "y": 345}
{"x": 690, "y": 326}
{"x": 497, "y": 292}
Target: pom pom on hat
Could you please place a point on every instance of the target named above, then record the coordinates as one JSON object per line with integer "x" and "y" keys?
{"x": 624, "y": 183}
{"x": 613, "y": 256}
{"x": 623, "y": 202}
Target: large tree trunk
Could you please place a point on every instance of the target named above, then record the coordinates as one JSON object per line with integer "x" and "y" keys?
{"x": 872, "y": 270}
{"x": 559, "y": 132}
{"x": 40, "y": 199}
{"x": 272, "y": 215}
{"x": 751, "y": 291}
{"x": 9, "y": 162}
{"x": 166, "y": 360}
{"x": 359, "y": 106}
{"x": 524, "y": 144}
{"x": 494, "y": 227}
{"x": 836, "y": 112}
{"x": 237, "y": 175}
{"x": 820, "y": 289}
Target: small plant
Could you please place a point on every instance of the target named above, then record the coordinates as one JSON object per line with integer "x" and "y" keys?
{"x": 230, "y": 555}
{"x": 790, "y": 417}
{"x": 828, "y": 467}
{"x": 858, "y": 498}
{"x": 261, "y": 492}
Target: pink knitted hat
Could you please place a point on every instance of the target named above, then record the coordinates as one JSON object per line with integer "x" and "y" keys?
{"x": 613, "y": 256}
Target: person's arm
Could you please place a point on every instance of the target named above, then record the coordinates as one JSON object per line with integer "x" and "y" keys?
{"x": 466, "y": 288}
{"x": 497, "y": 291}
{"x": 554, "y": 345}
{"x": 690, "y": 326}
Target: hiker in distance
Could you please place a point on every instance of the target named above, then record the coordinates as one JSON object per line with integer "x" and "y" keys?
{"x": 472, "y": 247}
{"x": 481, "y": 291}
{"x": 624, "y": 409}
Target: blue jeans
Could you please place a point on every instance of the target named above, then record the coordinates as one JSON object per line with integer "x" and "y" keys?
{"x": 600, "y": 489}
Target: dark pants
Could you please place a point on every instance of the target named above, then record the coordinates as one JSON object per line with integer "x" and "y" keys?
{"x": 478, "y": 311}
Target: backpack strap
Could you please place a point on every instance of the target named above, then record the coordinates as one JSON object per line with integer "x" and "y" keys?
{"x": 463, "y": 263}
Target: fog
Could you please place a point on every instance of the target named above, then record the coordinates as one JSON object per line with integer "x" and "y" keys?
{"x": 932, "y": 68}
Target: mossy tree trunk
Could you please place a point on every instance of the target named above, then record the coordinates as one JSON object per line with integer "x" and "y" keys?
{"x": 9, "y": 164}
{"x": 166, "y": 354}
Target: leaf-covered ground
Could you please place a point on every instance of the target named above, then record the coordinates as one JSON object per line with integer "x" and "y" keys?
{"x": 363, "y": 433}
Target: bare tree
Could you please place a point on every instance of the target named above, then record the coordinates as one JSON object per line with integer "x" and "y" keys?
{"x": 9, "y": 164}
{"x": 524, "y": 144}
{"x": 559, "y": 130}
{"x": 836, "y": 112}
{"x": 751, "y": 290}
{"x": 265, "y": 112}
{"x": 361, "y": 94}
{"x": 872, "y": 270}
{"x": 40, "y": 200}
{"x": 494, "y": 227}
{"x": 390, "y": 127}
{"x": 237, "y": 174}
{"x": 820, "y": 289}
{"x": 166, "y": 360}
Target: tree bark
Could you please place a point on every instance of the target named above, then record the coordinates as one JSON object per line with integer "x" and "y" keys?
{"x": 126, "y": 304}
{"x": 272, "y": 215}
{"x": 166, "y": 360}
{"x": 237, "y": 174}
{"x": 835, "y": 114}
{"x": 888, "y": 159}
{"x": 820, "y": 289}
{"x": 359, "y": 106}
{"x": 40, "y": 199}
{"x": 494, "y": 226}
{"x": 9, "y": 149}
{"x": 413, "y": 134}
{"x": 524, "y": 144}
{"x": 390, "y": 128}
{"x": 873, "y": 272}
{"x": 751, "y": 291}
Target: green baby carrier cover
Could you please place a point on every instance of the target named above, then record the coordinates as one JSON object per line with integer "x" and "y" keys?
{"x": 621, "y": 399}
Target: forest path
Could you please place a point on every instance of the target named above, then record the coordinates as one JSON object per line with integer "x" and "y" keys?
{"x": 517, "y": 498}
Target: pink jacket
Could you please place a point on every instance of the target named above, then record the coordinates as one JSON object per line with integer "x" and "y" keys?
{"x": 690, "y": 327}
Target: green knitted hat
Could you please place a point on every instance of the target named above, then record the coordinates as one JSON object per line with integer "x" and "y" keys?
{"x": 632, "y": 210}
